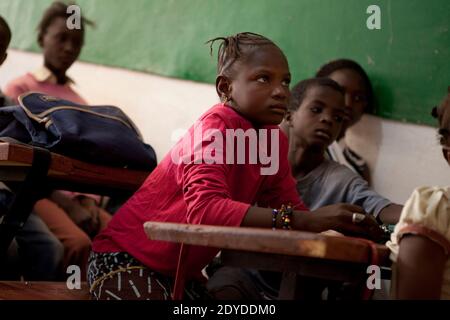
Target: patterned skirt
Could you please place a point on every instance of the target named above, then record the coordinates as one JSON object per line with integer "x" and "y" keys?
{"x": 119, "y": 276}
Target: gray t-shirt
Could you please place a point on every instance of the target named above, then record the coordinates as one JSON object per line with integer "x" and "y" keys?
{"x": 332, "y": 183}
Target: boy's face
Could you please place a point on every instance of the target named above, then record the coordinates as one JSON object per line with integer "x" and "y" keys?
{"x": 259, "y": 89}
{"x": 355, "y": 93}
{"x": 61, "y": 46}
{"x": 318, "y": 120}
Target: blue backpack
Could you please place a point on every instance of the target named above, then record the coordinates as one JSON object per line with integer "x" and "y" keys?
{"x": 95, "y": 134}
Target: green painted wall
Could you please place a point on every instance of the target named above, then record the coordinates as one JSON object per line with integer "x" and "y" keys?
{"x": 408, "y": 59}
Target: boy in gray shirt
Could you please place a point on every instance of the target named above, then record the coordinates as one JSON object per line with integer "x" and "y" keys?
{"x": 314, "y": 121}
{"x": 331, "y": 182}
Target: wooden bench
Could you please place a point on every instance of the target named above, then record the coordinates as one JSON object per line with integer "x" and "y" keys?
{"x": 31, "y": 172}
{"x": 296, "y": 254}
{"x": 25, "y": 290}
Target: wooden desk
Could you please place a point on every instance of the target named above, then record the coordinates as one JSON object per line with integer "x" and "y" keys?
{"x": 31, "y": 172}
{"x": 69, "y": 174}
{"x": 297, "y": 254}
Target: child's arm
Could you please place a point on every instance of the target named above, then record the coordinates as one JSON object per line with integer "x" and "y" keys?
{"x": 337, "y": 217}
{"x": 281, "y": 189}
{"x": 207, "y": 196}
{"x": 390, "y": 214}
{"x": 419, "y": 269}
{"x": 420, "y": 244}
{"x": 358, "y": 191}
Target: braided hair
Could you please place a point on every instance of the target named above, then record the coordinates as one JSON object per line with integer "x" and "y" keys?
{"x": 235, "y": 48}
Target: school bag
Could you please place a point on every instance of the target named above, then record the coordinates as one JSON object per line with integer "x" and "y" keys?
{"x": 96, "y": 134}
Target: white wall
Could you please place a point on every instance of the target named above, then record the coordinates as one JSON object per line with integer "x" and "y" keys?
{"x": 401, "y": 156}
{"x": 157, "y": 105}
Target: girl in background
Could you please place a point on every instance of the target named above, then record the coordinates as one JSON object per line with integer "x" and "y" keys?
{"x": 359, "y": 99}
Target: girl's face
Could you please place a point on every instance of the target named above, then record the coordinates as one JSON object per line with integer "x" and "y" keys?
{"x": 61, "y": 46}
{"x": 318, "y": 120}
{"x": 356, "y": 99}
{"x": 259, "y": 88}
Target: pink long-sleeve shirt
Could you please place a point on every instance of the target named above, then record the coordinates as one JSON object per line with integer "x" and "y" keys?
{"x": 198, "y": 193}
{"x": 42, "y": 80}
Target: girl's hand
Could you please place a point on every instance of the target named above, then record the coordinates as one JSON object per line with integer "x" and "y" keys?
{"x": 339, "y": 217}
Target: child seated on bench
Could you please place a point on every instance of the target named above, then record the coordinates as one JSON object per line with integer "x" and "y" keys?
{"x": 420, "y": 244}
{"x": 359, "y": 99}
{"x": 314, "y": 120}
{"x": 204, "y": 183}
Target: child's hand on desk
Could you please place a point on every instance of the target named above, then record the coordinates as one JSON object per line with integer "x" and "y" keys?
{"x": 340, "y": 217}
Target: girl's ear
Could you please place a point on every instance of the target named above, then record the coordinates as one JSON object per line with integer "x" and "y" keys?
{"x": 288, "y": 118}
{"x": 223, "y": 88}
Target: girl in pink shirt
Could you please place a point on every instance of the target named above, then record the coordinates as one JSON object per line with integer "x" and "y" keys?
{"x": 209, "y": 178}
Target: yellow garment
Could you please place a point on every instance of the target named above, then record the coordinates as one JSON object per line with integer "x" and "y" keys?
{"x": 428, "y": 207}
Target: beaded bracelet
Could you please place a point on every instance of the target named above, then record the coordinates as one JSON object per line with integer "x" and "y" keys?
{"x": 286, "y": 216}
{"x": 274, "y": 218}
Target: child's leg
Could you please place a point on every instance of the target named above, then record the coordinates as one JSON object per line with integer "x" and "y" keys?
{"x": 76, "y": 242}
{"x": 10, "y": 267}
{"x": 228, "y": 283}
{"x": 40, "y": 251}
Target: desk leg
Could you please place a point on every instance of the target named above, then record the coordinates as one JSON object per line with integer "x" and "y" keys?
{"x": 288, "y": 286}
{"x": 32, "y": 189}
